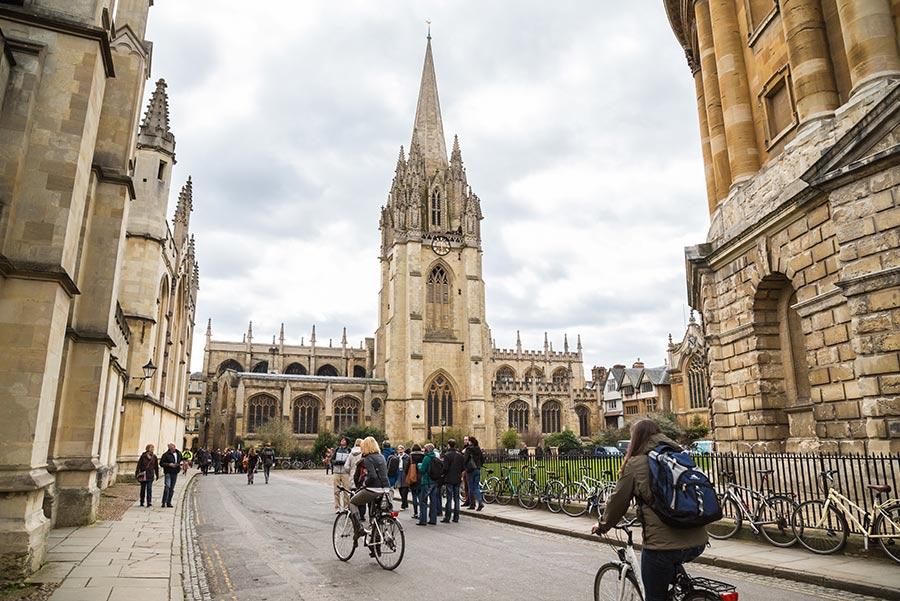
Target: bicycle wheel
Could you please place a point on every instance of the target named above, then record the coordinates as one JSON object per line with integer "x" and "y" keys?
{"x": 887, "y": 529}
{"x": 574, "y": 501}
{"x": 389, "y": 542}
{"x": 286, "y": 464}
{"x": 310, "y": 465}
{"x": 774, "y": 520}
{"x": 343, "y": 536}
{"x": 504, "y": 492}
{"x": 528, "y": 494}
{"x": 489, "y": 489}
{"x": 820, "y": 530}
{"x": 554, "y": 492}
{"x": 730, "y": 523}
{"x": 609, "y": 583}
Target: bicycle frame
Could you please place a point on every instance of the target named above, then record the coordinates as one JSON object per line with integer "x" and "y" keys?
{"x": 841, "y": 502}
{"x": 746, "y": 514}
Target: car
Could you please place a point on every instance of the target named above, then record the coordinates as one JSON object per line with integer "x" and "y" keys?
{"x": 622, "y": 445}
{"x": 607, "y": 452}
{"x": 701, "y": 447}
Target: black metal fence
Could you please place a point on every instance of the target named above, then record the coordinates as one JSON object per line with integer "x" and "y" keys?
{"x": 796, "y": 474}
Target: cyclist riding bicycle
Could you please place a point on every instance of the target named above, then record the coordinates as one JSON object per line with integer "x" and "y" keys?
{"x": 665, "y": 547}
{"x": 375, "y": 484}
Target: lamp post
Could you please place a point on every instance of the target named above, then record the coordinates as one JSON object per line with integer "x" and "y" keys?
{"x": 443, "y": 423}
{"x": 149, "y": 370}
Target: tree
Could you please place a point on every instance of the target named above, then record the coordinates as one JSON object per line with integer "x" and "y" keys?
{"x": 668, "y": 425}
{"x": 697, "y": 430}
{"x": 509, "y": 439}
{"x": 440, "y": 439}
{"x": 354, "y": 432}
{"x": 324, "y": 441}
{"x": 277, "y": 432}
{"x": 565, "y": 440}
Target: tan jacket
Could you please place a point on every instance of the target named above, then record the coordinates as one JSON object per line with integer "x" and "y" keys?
{"x": 635, "y": 483}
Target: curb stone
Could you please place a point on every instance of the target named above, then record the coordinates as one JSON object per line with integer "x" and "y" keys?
{"x": 193, "y": 574}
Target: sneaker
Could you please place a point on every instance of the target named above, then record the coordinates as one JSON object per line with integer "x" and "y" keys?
{"x": 480, "y": 507}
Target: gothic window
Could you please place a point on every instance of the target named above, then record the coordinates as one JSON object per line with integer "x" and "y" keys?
{"x": 505, "y": 375}
{"x": 561, "y": 376}
{"x": 534, "y": 375}
{"x": 436, "y": 209}
{"x": 550, "y": 417}
{"x": 261, "y": 368}
{"x": 518, "y": 416}
{"x": 260, "y": 409}
{"x": 346, "y": 413}
{"x": 584, "y": 420}
{"x": 437, "y": 301}
{"x": 359, "y": 371}
{"x": 327, "y": 370}
{"x": 646, "y": 387}
{"x": 229, "y": 364}
{"x": 440, "y": 402}
{"x": 697, "y": 384}
{"x": 296, "y": 369}
{"x": 306, "y": 415}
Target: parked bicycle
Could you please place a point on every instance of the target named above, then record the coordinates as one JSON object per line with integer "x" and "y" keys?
{"x": 587, "y": 494}
{"x": 823, "y": 526}
{"x": 382, "y": 535}
{"x": 531, "y": 493}
{"x": 488, "y": 490}
{"x": 505, "y": 488}
{"x": 621, "y": 580}
{"x": 768, "y": 514}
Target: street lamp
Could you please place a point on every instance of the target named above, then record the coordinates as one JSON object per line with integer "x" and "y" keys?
{"x": 149, "y": 370}
{"x": 443, "y": 423}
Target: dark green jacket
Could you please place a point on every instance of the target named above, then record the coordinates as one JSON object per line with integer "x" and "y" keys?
{"x": 635, "y": 483}
{"x": 424, "y": 478}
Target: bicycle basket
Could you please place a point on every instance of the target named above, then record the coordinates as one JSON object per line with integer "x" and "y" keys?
{"x": 714, "y": 586}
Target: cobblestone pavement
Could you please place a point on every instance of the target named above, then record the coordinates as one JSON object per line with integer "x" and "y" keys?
{"x": 274, "y": 542}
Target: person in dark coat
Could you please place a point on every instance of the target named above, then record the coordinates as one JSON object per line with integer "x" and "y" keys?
{"x": 474, "y": 462}
{"x": 171, "y": 464}
{"x": 217, "y": 460}
{"x": 146, "y": 471}
{"x": 454, "y": 468}
{"x": 413, "y": 481}
{"x": 252, "y": 461}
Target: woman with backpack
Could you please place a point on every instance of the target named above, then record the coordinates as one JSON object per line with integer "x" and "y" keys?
{"x": 665, "y": 547}
{"x": 412, "y": 478}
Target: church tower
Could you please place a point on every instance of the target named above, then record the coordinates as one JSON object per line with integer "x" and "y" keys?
{"x": 432, "y": 339}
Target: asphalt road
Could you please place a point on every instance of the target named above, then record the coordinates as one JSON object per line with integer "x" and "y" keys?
{"x": 273, "y": 542}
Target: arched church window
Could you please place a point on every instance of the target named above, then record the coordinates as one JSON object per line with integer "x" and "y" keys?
{"x": 296, "y": 369}
{"x": 518, "y": 416}
{"x": 584, "y": 420}
{"x": 439, "y": 402}
{"x": 550, "y": 413}
{"x": 229, "y": 364}
{"x": 535, "y": 374}
{"x": 261, "y": 368}
{"x": 306, "y": 415}
{"x": 346, "y": 413}
{"x": 436, "y": 209}
{"x": 359, "y": 371}
{"x": 260, "y": 409}
{"x": 327, "y": 370}
{"x": 697, "y": 384}
{"x": 505, "y": 375}
{"x": 437, "y": 301}
{"x": 561, "y": 376}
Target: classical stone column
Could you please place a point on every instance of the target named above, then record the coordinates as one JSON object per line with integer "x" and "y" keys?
{"x": 811, "y": 71}
{"x": 870, "y": 40}
{"x": 718, "y": 147}
{"x": 708, "y": 171}
{"x": 743, "y": 154}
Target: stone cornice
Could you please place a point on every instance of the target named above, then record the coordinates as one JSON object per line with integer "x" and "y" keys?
{"x": 55, "y": 23}
{"x": 46, "y": 272}
{"x": 90, "y": 337}
{"x": 109, "y": 176}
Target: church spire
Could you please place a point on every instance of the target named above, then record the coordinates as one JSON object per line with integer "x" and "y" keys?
{"x": 428, "y": 127}
{"x": 154, "y": 130}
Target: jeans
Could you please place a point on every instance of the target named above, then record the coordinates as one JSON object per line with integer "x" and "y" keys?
{"x": 658, "y": 569}
{"x": 429, "y": 498}
{"x": 404, "y": 497}
{"x": 452, "y": 504}
{"x": 414, "y": 492}
{"x": 474, "y": 478}
{"x": 169, "y": 488}
{"x": 147, "y": 491}
{"x": 266, "y": 470}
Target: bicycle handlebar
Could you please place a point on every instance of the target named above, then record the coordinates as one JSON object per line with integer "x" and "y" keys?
{"x": 626, "y": 524}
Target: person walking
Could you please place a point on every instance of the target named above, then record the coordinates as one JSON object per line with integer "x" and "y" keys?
{"x": 340, "y": 472}
{"x": 238, "y": 461}
{"x": 403, "y": 455}
{"x": 186, "y": 459}
{"x": 665, "y": 547}
{"x": 392, "y": 459}
{"x": 217, "y": 461}
{"x": 252, "y": 460}
{"x": 413, "y": 482}
{"x": 474, "y": 463}
{"x": 268, "y": 459}
{"x": 454, "y": 468}
{"x": 429, "y": 495}
{"x": 146, "y": 471}
{"x": 171, "y": 464}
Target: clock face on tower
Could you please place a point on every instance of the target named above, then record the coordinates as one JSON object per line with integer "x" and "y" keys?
{"x": 440, "y": 245}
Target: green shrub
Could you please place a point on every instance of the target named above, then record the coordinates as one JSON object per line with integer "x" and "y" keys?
{"x": 509, "y": 439}
{"x": 610, "y": 436}
{"x": 324, "y": 441}
{"x": 565, "y": 440}
{"x": 278, "y": 432}
{"x": 668, "y": 425}
{"x": 696, "y": 430}
{"x": 354, "y": 432}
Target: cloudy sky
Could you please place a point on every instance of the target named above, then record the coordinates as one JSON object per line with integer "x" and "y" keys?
{"x": 577, "y": 125}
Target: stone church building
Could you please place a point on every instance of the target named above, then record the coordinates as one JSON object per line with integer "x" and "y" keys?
{"x": 432, "y": 361}
{"x": 97, "y": 289}
{"x": 798, "y": 281}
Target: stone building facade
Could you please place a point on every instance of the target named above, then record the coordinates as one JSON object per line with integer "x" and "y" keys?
{"x": 798, "y": 282}
{"x": 632, "y": 393}
{"x": 689, "y": 376}
{"x": 72, "y": 78}
{"x": 432, "y": 360}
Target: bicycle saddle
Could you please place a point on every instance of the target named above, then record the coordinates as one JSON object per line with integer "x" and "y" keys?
{"x": 879, "y": 488}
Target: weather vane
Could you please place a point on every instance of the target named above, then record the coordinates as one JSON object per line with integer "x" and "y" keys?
{"x": 428, "y": 23}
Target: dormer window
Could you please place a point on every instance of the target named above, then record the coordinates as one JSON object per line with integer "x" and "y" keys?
{"x": 646, "y": 387}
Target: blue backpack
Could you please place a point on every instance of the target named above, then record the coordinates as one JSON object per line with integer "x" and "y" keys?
{"x": 683, "y": 496}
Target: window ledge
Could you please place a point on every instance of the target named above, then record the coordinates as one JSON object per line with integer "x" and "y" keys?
{"x": 763, "y": 25}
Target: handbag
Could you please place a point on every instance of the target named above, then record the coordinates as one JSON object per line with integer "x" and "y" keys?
{"x": 142, "y": 476}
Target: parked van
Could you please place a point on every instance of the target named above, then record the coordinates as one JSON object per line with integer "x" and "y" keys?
{"x": 622, "y": 445}
{"x": 701, "y": 447}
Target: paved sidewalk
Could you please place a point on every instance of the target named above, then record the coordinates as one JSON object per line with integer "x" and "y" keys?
{"x": 871, "y": 575}
{"x": 137, "y": 558}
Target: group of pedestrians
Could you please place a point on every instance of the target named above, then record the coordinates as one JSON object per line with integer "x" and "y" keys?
{"x": 147, "y": 472}
{"x": 421, "y": 475}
